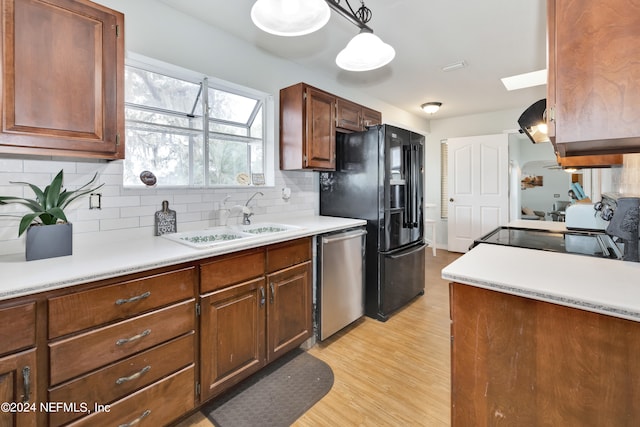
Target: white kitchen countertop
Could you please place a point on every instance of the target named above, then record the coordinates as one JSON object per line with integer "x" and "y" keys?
{"x": 606, "y": 286}
{"x": 102, "y": 257}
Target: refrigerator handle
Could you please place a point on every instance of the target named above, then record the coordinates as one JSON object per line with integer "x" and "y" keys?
{"x": 414, "y": 186}
{"x": 408, "y": 192}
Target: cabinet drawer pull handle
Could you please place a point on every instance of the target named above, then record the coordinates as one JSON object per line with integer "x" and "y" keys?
{"x": 262, "y": 297}
{"x": 143, "y": 334}
{"x": 133, "y": 376}
{"x": 273, "y": 291}
{"x": 137, "y": 420}
{"x": 26, "y": 381}
{"x": 133, "y": 299}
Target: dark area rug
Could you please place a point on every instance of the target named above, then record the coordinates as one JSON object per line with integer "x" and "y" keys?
{"x": 276, "y": 396}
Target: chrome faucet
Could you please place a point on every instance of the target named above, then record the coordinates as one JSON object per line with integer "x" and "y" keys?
{"x": 246, "y": 213}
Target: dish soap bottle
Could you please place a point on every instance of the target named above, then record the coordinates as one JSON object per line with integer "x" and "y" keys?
{"x": 165, "y": 220}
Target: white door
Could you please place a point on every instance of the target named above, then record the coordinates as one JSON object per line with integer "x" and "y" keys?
{"x": 478, "y": 187}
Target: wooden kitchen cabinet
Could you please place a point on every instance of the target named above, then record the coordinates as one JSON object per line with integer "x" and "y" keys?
{"x": 370, "y": 117}
{"x": 519, "y": 361}
{"x": 257, "y": 316}
{"x": 232, "y": 329}
{"x": 18, "y": 386}
{"x": 62, "y": 79}
{"x": 348, "y": 115}
{"x": 594, "y": 77}
{"x": 354, "y": 117}
{"x": 289, "y": 316}
{"x": 307, "y": 128}
{"x": 309, "y": 119}
{"x": 152, "y": 345}
{"x": 18, "y": 368}
{"x": 108, "y": 342}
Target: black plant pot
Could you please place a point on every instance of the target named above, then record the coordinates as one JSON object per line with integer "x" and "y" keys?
{"x": 49, "y": 241}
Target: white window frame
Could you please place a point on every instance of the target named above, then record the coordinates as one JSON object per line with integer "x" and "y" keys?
{"x": 268, "y": 138}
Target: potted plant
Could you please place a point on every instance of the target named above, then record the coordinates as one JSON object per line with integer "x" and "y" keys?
{"x": 49, "y": 233}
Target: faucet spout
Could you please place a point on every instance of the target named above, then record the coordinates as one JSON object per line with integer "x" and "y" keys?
{"x": 254, "y": 195}
{"x": 246, "y": 213}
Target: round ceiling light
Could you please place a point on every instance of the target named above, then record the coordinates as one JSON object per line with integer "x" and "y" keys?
{"x": 431, "y": 107}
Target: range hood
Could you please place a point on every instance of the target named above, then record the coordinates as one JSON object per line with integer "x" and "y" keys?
{"x": 533, "y": 123}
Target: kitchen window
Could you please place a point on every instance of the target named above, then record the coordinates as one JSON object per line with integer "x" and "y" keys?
{"x": 191, "y": 130}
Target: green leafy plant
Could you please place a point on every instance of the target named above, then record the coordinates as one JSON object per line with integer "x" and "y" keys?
{"x": 48, "y": 206}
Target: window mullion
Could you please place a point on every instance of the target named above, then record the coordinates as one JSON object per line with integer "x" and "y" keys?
{"x": 205, "y": 129}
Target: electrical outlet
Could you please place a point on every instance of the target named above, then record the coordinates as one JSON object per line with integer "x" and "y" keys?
{"x": 95, "y": 201}
{"x": 286, "y": 193}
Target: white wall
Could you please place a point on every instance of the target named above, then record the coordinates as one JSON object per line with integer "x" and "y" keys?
{"x": 154, "y": 30}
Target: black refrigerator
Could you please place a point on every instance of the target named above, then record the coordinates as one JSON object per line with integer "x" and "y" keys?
{"x": 379, "y": 177}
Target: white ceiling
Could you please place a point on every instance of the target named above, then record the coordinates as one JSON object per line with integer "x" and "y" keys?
{"x": 496, "y": 38}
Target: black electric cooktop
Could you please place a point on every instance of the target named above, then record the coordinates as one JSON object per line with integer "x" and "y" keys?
{"x": 592, "y": 243}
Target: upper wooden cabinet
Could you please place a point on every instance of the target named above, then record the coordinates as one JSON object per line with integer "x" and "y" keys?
{"x": 370, "y": 117}
{"x": 62, "y": 79}
{"x": 307, "y": 128}
{"x": 309, "y": 119}
{"x": 594, "y": 77}
{"x": 348, "y": 115}
{"x": 354, "y": 117}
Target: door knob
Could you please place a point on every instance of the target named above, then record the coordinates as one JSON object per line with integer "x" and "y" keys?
{"x": 451, "y": 199}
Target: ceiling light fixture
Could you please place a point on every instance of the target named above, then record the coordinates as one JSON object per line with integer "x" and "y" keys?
{"x": 365, "y": 51}
{"x": 431, "y": 107}
{"x": 290, "y": 17}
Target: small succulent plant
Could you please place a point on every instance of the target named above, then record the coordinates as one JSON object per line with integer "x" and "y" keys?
{"x": 48, "y": 206}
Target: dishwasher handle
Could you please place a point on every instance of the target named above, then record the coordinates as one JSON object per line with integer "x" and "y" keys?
{"x": 343, "y": 236}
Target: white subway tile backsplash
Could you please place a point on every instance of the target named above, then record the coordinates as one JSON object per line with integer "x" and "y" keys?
{"x": 120, "y": 223}
{"x": 10, "y": 165}
{"x": 122, "y": 201}
{"x": 128, "y": 208}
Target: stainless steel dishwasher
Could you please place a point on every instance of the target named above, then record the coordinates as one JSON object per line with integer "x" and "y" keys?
{"x": 340, "y": 291}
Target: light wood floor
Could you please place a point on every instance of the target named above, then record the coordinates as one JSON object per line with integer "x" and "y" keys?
{"x": 388, "y": 374}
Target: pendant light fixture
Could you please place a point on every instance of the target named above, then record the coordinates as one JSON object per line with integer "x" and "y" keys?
{"x": 364, "y": 52}
{"x": 290, "y": 17}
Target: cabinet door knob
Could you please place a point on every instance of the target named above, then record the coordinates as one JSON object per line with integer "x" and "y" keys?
{"x": 262, "y": 297}
{"x": 273, "y": 291}
{"x": 451, "y": 199}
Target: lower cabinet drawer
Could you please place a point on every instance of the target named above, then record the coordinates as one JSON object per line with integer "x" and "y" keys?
{"x": 115, "y": 381}
{"x": 155, "y": 405}
{"x": 286, "y": 254}
{"x": 78, "y": 355}
{"x": 17, "y": 327}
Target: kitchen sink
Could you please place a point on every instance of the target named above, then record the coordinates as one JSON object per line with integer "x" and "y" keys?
{"x": 211, "y": 237}
{"x": 267, "y": 228}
